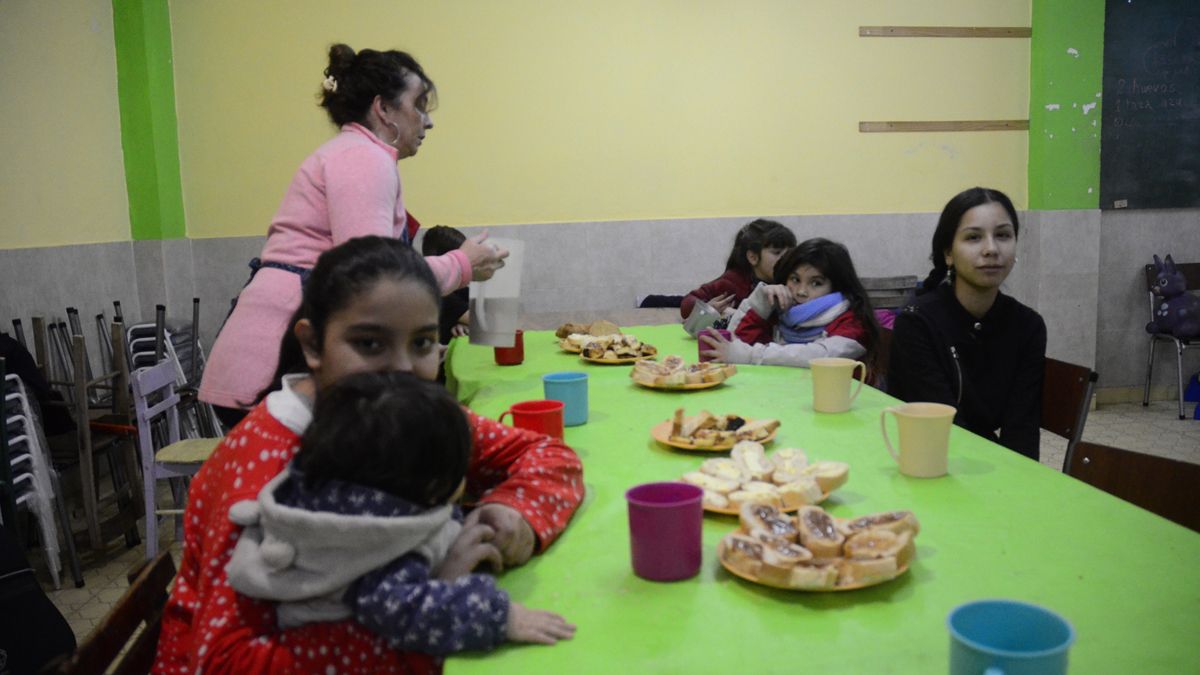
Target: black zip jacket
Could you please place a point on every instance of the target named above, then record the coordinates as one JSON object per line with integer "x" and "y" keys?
{"x": 990, "y": 368}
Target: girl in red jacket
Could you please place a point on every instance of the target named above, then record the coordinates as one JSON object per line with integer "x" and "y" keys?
{"x": 816, "y": 308}
{"x": 370, "y": 305}
{"x": 755, "y": 249}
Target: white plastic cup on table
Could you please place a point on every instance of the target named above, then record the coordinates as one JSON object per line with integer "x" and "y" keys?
{"x": 703, "y": 316}
{"x": 572, "y": 389}
{"x": 831, "y": 379}
{"x": 1007, "y": 637}
{"x": 664, "y": 530}
{"x": 924, "y": 437}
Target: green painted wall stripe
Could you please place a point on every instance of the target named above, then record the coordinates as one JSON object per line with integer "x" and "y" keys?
{"x": 1066, "y": 68}
{"x": 149, "y": 132}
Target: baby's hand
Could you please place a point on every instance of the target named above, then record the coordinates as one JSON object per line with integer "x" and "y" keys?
{"x": 472, "y": 547}
{"x": 535, "y": 625}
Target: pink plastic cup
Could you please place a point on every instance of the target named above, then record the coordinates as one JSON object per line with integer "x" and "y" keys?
{"x": 701, "y": 346}
{"x": 664, "y": 530}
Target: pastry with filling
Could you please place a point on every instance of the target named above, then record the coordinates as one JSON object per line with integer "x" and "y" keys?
{"x": 766, "y": 518}
{"x": 818, "y": 532}
{"x": 852, "y": 572}
{"x": 743, "y": 553}
{"x": 895, "y": 521}
{"x": 814, "y": 576}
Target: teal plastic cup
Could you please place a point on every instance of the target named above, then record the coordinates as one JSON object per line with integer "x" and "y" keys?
{"x": 1007, "y": 637}
{"x": 572, "y": 389}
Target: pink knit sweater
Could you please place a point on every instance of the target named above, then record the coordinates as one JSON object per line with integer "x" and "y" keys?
{"x": 349, "y": 187}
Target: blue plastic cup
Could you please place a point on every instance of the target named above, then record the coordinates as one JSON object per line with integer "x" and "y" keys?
{"x": 1007, "y": 637}
{"x": 572, "y": 389}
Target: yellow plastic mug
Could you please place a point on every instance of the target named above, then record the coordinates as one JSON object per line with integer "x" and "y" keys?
{"x": 831, "y": 383}
{"x": 924, "y": 437}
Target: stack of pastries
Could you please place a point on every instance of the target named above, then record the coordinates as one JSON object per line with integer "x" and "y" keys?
{"x": 707, "y": 430}
{"x": 612, "y": 347}
{"x": 600, "y": 327}
{"x": 784, "y": 480}
{"x": 673, "y": 371}
{"x": 816, "y": 551}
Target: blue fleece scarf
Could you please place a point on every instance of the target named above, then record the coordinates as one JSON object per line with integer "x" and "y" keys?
{"x": 805, "y": 322}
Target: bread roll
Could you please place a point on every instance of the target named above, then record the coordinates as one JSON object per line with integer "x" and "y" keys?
{"x": 818, "y": 532}
{"x": 742, "y": 553}
{"x": 789, "y": 458}
{"x": 813, "y": 576}
{"x": 722, "y": 467}
{"x": 852, "y": 572}
{"x": 757, "y": 430}
{"x": 779, "y": 557}
{"x": 739, "y": 498}
{"x": 875, "y": 543}
{"x": 894, "y": 521}
{"x": 715, "y": 500}
{"x": 751, "y": 459}
{"x": 788, "y": 475}
{"x": 799, "y": 493}
{"x": 708, "y": 482}
{"x": 829, "y": 475}
{"x": 766, "y": 518}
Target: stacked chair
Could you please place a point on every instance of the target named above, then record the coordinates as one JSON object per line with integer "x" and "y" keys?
{"x": 150, "y": 343}
{"x": 28, "y": 479}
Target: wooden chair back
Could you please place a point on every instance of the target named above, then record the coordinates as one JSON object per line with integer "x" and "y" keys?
{"x": 1066, "y": 398}
{"x": 1160, "y": 485}
{"x": 888, "y": 292}
{"x": 113, "y": 646}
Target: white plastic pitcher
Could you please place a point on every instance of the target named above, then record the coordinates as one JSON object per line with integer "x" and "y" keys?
{"x": 496, "y": 303}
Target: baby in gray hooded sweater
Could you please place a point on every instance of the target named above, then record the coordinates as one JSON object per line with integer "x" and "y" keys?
{"x": 361, "y": 521}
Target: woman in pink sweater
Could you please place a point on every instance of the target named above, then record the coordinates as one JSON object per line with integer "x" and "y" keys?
{"x": 349, "y": 187}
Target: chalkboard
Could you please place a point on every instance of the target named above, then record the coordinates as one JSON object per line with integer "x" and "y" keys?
{"x": 1150, "y": 133}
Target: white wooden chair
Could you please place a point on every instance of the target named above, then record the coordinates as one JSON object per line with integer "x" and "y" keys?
{"x": 163, "y": 454}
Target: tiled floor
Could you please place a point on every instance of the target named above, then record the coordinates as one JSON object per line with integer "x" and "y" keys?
{"x": 1154, "y": 430}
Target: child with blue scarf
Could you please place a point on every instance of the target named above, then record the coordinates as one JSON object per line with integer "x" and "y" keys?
{"x": 816, "y": 308}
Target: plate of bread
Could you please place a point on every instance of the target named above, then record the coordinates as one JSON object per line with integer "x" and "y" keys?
{"x": 674, "y": 374}
{"x": 707, "y": 431}
{"x": 616, "y": 349}
{"x": 814, "y": 551}
{"x": 573, "y": 336}
{"x": 784, "y": 479}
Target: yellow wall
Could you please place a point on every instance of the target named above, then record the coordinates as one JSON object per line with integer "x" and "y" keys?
{"x": 612, "y": 109}
{"x": 62, "y": 177}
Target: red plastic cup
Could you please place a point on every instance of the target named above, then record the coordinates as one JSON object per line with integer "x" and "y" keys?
{"x": 664, "y": 530}
{"x": 701, "y": 347}
{"x": 544, "y": 417}
{"x": 514, "y": 355}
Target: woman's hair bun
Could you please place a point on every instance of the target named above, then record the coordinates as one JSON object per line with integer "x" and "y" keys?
{"x": 341, "y": 56}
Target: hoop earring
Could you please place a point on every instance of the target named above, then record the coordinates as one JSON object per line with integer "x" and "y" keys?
{"x": 395, "y": 126}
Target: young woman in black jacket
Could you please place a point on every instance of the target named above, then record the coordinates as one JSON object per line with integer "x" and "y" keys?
{"x": 964, "y": 343}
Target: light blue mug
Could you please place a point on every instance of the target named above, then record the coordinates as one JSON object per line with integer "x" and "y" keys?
{"x": 572, "y": 389}
{"x": 1007, "y": 637}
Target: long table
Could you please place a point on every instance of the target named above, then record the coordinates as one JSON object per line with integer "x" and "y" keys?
{"x": 999, "y": 525}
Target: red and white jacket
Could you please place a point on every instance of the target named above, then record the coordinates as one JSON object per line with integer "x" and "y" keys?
{"x": 208, "y": 627}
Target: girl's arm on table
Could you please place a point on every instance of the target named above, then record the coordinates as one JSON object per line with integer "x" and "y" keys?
{"x": 537, "y": 475}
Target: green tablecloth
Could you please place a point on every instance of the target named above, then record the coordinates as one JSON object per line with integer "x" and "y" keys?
{"x": 999, "y": 525}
